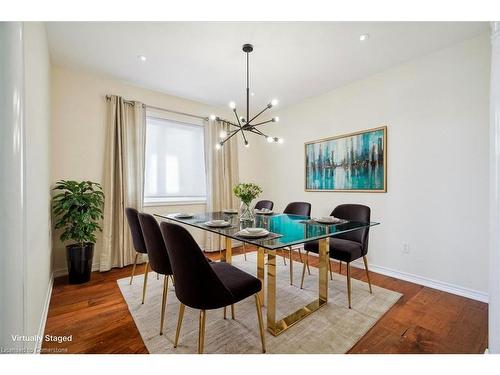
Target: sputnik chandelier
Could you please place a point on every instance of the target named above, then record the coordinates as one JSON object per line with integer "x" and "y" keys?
{"x": 249, "y": 125}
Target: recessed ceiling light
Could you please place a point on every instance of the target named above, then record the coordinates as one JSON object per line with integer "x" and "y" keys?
{"x": 364, "y": 37}
{"x": 141, "y": 57}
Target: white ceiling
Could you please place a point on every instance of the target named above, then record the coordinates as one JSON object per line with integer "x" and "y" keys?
{"x": 291, "y": 60}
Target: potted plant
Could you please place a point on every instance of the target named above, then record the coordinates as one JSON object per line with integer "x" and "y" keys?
{"x": 78, "y": 209}
{"x": 246, "y": 192}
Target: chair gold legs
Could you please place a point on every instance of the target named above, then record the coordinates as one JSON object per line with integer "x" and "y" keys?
{"x": 201, "y": 325}
{"x": 261, "y": 323}
{"x": 201, "y": 331}
{"x": 133, "y": 268}
{"x": 340, "y": 267}
{"x": 330, "y": 268}
{"x": 163, "y": 302}
{"x": 307, "y": 263}
{"x": 232, "y": 312}
{"x": 145, "y": 282}
{"x": 304, "y": 265}
{"x": 224, "y": 312}
{"x": 291, "y": 266}
{"x": 349, "y": 283}
{"x": 157, "y": 276}
{"x": 284, "y": 258}
{"x": 179, "y": 324}
{"x": 367, "y": 273}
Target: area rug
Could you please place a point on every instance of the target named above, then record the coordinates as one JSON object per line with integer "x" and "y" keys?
{"x": 332, "y": 329}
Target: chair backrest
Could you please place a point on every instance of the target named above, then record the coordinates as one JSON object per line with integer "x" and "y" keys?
{"x": 135, "y": 229}
{"x": 157, "y": 253}
{"x": 196, "y": 283}
{"x": 298, "y": 208}
{"x": 354, "y": 212}
{"x": 264, "y": 204}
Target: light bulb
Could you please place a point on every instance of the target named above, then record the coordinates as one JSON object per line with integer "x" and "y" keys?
{"x": 247, "y": 144}
{"x": 223, "y": 134}
{"x": 276, "y": 119}
{"x": 142, "y": 57}
{"x": 363, "y": 37}
{"x": 232, "y": 105}
{"x": 274, "y": 102}
{"x": 213, "y": 117}
{"x": 218, "y": 146}
{"x": 242, "y": 119}
{"x": 280, "y": 141}
{"x": 270, "y": 139}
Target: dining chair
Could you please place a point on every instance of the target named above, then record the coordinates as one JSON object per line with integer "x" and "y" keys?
{"x": 346, "y": 247}
{"x": 137, "y": 237}
{"x": 206, "y": 286}
{"x": 302, "y": 209}
{"x": 157, "y": 257}
{"x": 259, "y": 206}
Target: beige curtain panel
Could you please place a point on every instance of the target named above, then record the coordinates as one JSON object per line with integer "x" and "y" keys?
{"x": 222, "y": 174}
{"x": 123, "y": 179}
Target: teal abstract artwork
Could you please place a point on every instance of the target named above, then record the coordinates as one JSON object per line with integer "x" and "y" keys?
{"x": 352, "y": 162}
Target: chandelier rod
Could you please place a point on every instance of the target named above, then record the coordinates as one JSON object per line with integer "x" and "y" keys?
{"x": 248, "y": 92}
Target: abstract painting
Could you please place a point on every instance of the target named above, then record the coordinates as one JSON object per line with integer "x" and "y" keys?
{"x": 355, "y": 162}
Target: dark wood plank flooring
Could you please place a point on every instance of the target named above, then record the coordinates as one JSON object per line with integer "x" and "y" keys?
{"x": 424, "y": 320}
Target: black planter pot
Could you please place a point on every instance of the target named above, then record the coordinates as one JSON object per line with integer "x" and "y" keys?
{"x": 79, "y": 259}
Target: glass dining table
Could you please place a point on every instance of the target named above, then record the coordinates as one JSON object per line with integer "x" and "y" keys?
{"x": 284, "y": 231}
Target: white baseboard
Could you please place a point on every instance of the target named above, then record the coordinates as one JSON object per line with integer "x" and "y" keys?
{"x": 45, "y": 312}
{"x": 425, "y": 281}
{"x": 421, "y": 280}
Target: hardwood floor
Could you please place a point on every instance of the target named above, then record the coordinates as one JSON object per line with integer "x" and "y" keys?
{"x": 424, "y": 320}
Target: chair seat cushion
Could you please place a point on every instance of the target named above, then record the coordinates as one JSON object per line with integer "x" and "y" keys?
{"x": 240, "y": 284}
{"x": 340, "y": 249}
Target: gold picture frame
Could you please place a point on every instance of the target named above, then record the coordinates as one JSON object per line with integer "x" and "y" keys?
{"x": 370, "y": 162}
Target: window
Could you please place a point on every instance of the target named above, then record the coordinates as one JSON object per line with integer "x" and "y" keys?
{"x": 174, "y": 162}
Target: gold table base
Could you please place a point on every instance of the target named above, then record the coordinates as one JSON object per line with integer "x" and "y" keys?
{"x": 278, "y": 327}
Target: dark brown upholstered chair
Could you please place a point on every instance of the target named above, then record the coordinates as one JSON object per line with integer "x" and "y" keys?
{"x": 346, "y": 247}
{"x": 203, "y": 285}
{"x": 259, "y": 206}
{"x": 264, "y": 204}
{"x": 157, "y": 257}
{"x": 137, "y": 237}
{"x": 302, "y": 209}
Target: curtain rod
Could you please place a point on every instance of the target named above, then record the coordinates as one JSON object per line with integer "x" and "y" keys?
{"x": 131, "y": 102}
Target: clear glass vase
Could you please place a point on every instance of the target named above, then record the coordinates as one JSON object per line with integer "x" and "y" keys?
{"x": 246, "y": 212}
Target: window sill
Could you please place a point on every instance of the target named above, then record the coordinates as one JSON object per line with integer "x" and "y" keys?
{"x": 187, "y": 202}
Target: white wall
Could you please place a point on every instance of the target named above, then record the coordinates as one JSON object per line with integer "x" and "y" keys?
{"x": 37, "y": 120}
{"x": 436, "y": 111}
{"x": 12, "y": 198}
{"x": 494, "y": 290}
{"x": 78, "y": 132}
{"x": 25, "y": 259}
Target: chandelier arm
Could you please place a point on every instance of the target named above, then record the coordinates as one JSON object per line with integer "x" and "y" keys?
{"x": 258, "y": 114}
{"x": 263, "y": 122}
{"x": 232, "y": 123}
{"x": 257, "y": 131}
{"x": 237, "y": 118}
{"x": 244, "y": 137}
{"x": 230, "y": 136}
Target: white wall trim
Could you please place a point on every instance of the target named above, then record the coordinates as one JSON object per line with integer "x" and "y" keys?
{"x": 45, "y": 312}
{"x": 431, "y": 283}
{"x": 421, "y": 280}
